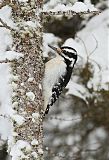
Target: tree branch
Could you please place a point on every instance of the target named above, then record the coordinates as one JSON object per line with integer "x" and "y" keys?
{"x": 7, "y": 61}
{"x": 5, "y": 25}
{"x": 68, "y": 13}
{"x": 63, "y": 119}
{"x": 4, "y": 3}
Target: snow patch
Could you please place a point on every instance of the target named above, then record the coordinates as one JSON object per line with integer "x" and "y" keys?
{"x": 32, "y": 24}
{"x": 77, "y": 7}
{"x": 30, "y": 79}
{"x": 34, "y": 142}
{"x": 77, "y": 90}
{"x": 40, "y": 151}
{"x": 5, "y": 90}
{"x": 10, "y": 55}
{"x": 16, "y": 151}
{"x": 30, "y": 95}
{"x": 14, "y": 85}
{"x": 49, "y": 38}
{"x": 40, "y": 86}
{"x": 18, "y": 119}
{"x": 5, "y": 128}
{"x": 35, "y": 115}
{"x": 5, "y": 15}
{"x": 34, "y": 154}
{"x": 24, "y": 1}
{"x": 15, "y": 78}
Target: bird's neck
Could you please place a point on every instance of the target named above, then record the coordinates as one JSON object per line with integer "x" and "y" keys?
{"x": 70, "y": 64}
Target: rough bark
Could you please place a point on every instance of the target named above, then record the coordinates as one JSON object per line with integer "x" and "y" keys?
{"x": 27, "y": 76}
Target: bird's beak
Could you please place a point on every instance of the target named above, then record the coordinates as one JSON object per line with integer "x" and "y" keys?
{"x": 58, "y": 50}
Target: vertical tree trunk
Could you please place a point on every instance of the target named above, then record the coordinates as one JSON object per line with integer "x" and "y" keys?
{"x": 26, "y": 82}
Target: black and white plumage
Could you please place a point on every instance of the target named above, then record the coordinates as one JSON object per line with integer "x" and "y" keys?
{"x": 57, "y": 74}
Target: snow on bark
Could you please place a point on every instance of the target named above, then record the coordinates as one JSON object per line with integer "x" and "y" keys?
{"x": 25, "y": 137}
{"x": 27, "y": 99}
{"x": 76, "y": 7}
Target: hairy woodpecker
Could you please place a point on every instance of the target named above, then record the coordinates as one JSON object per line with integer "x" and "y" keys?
{"x": 57, "y": 74}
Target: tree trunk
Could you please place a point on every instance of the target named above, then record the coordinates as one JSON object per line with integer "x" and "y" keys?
{"x": 27, "y": 75}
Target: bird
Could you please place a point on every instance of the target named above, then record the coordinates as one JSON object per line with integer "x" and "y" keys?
{"x": 57, "y": 74}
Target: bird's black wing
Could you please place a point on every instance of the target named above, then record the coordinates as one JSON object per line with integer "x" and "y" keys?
{"x": 58, "y": 88}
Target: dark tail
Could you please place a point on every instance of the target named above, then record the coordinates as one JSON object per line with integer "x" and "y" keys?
{"x": 47, "y": 110}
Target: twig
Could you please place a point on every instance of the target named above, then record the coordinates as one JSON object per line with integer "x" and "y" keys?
{"x": 93, "y": 150}
{"x": 57, "y": 154}
{"x": 6, "y": 26}
{"x": 69, "y": 12}
{"x": 63, "y": 119}
{"x": 96, "y": 63}
{"x": 95, "y": 46}
{"x": 4, "y": 116}
{"x": 84, "y": 46}
{"x": 7, "y": 61}
{"x": 74, "y": 156}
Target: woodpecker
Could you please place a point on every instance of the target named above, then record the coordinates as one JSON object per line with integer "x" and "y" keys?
{"x": 57, "y": 74}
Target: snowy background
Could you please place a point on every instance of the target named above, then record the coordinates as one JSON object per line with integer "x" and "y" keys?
{"x": 77, "y": 125}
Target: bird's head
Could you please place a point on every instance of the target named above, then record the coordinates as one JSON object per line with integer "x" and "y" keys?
{"x": 68, "y": 53}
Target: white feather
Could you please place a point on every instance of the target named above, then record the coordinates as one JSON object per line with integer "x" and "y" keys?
{"x": 54, "y": 69}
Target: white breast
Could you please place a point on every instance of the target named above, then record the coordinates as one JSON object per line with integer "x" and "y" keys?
{"x": 54, "y": 69}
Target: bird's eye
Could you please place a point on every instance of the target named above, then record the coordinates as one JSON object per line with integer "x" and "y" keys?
{"x": 64, "y": 51}
{"x": 69, "y": 54}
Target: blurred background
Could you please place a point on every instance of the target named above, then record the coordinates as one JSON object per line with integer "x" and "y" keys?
{"x": 77, "y": 126}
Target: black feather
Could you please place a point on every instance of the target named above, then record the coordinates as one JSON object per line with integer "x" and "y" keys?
{"x": 58, "y": 88}
{"x": 63, "y": 81}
